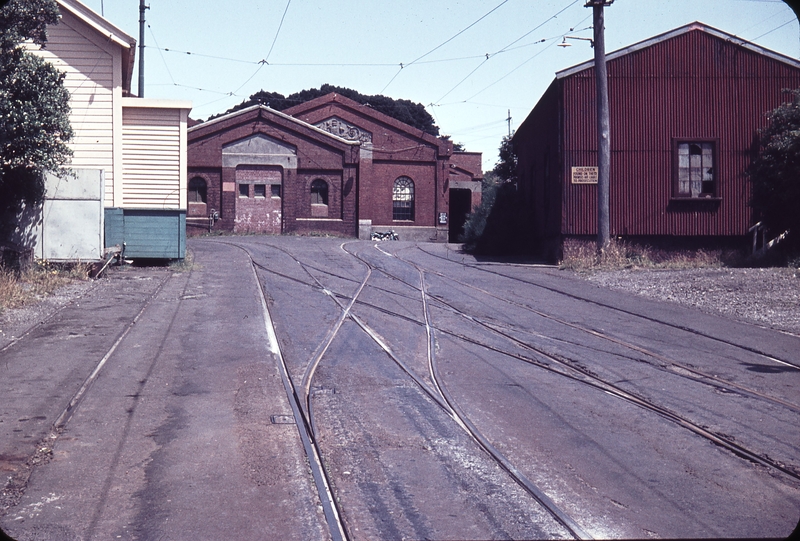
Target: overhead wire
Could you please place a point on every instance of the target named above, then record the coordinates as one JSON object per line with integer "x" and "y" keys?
{"x": 489, "y": 56}
{"x": 264, "y": 61}
{"x": 162, "y": 55}
{"x": 774, "y": 29}
{"x": 402, "y": 66}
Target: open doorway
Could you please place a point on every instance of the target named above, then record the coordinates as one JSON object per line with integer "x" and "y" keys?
{"x": 460, "y": 207}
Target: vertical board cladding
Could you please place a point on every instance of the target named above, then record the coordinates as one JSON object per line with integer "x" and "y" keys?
{"x": 693, "y": 86}
{"x": 89, "y": 70}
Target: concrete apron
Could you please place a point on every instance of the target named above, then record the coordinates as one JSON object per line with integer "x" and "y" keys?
{"x": 175, "y": 438}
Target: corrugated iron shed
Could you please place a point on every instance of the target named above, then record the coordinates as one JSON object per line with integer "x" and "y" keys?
{"x": 693, "y": 84}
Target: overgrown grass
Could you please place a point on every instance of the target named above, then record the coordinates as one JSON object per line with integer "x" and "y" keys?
{"x": 581, "y": 255}
{"x": 18, "y": 289}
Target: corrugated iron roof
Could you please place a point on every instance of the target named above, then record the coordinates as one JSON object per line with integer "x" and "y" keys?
{"x": 691, "y": 27}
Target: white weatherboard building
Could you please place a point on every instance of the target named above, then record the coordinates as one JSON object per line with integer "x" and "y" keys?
{"x": 139, "y": 145}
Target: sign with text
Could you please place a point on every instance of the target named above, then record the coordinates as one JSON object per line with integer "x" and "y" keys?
{"x": 584, "y": 175}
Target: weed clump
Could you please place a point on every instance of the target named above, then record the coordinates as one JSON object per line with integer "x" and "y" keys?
{"x": 21, "y": 287}
{"x": 582, "y": 255}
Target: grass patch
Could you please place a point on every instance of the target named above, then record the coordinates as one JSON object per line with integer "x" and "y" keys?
{"x": 581, "y": 255}
{"x": 187, "y": 264}
{"x": 19, "y": 288}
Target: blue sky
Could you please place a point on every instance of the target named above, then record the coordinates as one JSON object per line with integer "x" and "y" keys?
{"x": 469, "y": 62}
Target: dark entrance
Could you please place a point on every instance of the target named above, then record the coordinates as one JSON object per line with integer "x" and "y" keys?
{"x": 460, "y": 206}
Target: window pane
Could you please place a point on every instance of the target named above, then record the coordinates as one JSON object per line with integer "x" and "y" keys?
{"x": 244, "y": 190}
{"x": 403, "y": 199}
{"x": 276, "y": 190}
{"x": 260, "y": 190}
{"x": 197, "y": 191}
{"x": 319, "y": 192}
{"x": 696, "y": 176}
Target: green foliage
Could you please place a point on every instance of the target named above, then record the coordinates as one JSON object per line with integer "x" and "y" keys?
{"x": 506, "y": 168}
{"x": 34, "y": 106}
{"x": 775, "y": 173}
{"x": 26, "y": 19}
{"x": 476, "y": 220}
{"x": 498, "y": 226}
{"x": 413, "y": 114}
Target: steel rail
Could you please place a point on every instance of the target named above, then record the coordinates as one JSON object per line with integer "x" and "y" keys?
{"x": 612, "y": 388}
{"x": 445, "y": 400}
{"x": 77, "y": 398}
{"x": 48, "y": 317}
{"x": 617, "y": 391}
{"x": 327, "y": 500}
{"x": 669, "y": 362}
{"x": 521, "y": 479}
{"x": 622, "y": 310}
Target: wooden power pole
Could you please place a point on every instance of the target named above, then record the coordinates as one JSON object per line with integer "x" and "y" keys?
{"x": 603, "y": 128}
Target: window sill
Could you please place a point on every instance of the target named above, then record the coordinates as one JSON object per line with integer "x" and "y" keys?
{"x": 694, "y": 199}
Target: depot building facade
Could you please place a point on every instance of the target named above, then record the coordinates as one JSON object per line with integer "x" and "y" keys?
{"x": 327, "y": 166}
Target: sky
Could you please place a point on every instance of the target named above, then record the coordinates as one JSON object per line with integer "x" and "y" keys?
{"x": 472, "y": 63}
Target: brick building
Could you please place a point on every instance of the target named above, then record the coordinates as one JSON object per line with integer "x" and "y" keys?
{"x": 330, "y": 165}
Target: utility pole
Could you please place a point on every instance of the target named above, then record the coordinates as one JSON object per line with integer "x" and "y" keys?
{"x": 142, "y": 7}
{"x": 603, "y": 124}
{"x": 509, "y": 122}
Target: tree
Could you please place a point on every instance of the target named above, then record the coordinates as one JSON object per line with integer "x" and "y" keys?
{"x": 775, "y": 172}
{"x": 34, "y": 106}
{"x": 506, "y": 168}
{"x": 499, "y": 225}
{"x": 413, "y": 114}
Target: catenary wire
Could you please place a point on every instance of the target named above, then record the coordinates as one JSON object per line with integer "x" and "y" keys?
{"x": 442, "y": 44}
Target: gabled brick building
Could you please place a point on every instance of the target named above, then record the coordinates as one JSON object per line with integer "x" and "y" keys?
{"x": 330, "y": 165}
{"x": 685, "y": 109}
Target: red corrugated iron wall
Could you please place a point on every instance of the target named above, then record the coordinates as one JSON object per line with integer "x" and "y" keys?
{"x": 537, "y": 145}
{"x": 693, "y": 86}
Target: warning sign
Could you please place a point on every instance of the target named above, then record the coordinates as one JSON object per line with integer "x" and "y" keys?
{"x": 584, "y": 175}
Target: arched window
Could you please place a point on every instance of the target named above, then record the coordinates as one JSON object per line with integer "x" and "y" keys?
{"x": 403, "y": 199}
{"x": 319, "y": 192}
{"x": 197, "y": 190}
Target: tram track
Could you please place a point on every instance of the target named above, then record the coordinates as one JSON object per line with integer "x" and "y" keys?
{"x": 689, "y": 330}
{"x": 598, "y": 382}
{"x": 614, "y": 389}
{"x": 663, "y": 362}
{"x": 437, "y": 393}
{"x": 669, "y": 364}
{"x": 562, "y": 366}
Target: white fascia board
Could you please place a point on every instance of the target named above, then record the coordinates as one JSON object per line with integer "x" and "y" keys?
{"x": 677, "y": 32}
{"x": 279, "y": 114}
{"x": 156, "y": 103}
{"x": 97, "y": 22}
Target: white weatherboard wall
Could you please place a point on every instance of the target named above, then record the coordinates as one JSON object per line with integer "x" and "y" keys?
{"x": 93, "y": 66}
{"x": 154, "y": 154}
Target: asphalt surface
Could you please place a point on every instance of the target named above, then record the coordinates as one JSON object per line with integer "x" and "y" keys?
{"x": 447, "y": 398}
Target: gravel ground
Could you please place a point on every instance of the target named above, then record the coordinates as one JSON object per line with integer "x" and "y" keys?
{"x": 768, "y": 297}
